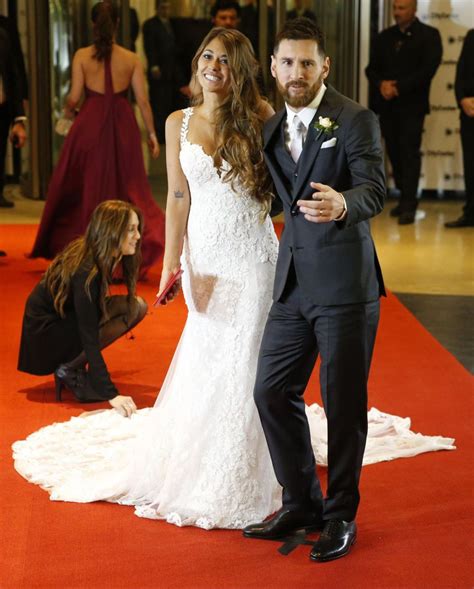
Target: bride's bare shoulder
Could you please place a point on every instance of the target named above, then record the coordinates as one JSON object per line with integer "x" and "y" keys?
{"x": 174, "y": 123}
{"x": 175, "y": 118}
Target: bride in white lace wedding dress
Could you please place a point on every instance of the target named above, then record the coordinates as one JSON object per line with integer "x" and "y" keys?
{"x": 199, "y": 456}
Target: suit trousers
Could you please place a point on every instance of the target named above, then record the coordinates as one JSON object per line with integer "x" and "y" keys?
{"x": 4, "y": 130}
{"x": 402, "y": 132}
{"x": 297, "y": 331}
{"x": 467, "y": 140}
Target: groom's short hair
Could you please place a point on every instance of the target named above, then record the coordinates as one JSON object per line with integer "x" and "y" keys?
{"x": 301, "y": 29}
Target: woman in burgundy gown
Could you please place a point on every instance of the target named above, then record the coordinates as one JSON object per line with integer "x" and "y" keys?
{"x": 102, "y": 156}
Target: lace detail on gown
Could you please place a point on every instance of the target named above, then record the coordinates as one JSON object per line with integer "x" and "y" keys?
{"x": 199, "y": 457}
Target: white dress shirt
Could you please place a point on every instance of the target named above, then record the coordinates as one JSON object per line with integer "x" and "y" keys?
{"x": 306, "y": 115}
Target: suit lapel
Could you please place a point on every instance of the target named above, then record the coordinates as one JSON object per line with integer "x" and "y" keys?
{"x": 272, "y": 134}
{"x": 271, "y": 128}
{"x": 330, "y": 107}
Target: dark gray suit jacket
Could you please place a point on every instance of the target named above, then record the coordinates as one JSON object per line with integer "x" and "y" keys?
{"x": 336, "y": 262}
{"x": 464, "y": 85}
{"x": 162, "y": 50}
{"x": 411, "y": 58}
{"x": 12, "y": 69}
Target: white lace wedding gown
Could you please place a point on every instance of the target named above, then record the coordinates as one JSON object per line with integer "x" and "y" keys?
{"x": 199, "y": 456}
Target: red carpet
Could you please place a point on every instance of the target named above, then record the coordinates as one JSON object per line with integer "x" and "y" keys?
{"x": 415, "y": 520}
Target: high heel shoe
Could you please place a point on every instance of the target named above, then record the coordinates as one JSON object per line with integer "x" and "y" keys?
{"x": 75, "y": 379}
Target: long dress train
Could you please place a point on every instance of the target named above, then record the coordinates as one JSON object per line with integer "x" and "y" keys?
{"x": 101, "y": 159}
{"x": 199, "y": 457}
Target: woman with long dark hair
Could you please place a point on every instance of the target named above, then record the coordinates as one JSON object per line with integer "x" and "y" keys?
{"x": 102, "y": 155}
{"x": 70, "y": 317}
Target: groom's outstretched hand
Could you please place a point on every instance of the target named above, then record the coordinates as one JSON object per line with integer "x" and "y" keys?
{"x": 327, "y": 205}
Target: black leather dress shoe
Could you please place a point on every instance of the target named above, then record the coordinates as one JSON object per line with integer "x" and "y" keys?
{"x": 335, "y": 541}
{"x": 463, "y": 221}
{"x": 396, "y": 211}
{"x": 284, "y": 522}
{"x": 406, "y": 218}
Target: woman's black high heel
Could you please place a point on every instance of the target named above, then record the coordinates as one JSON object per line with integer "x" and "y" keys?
{"x": 59, "y": 385}
{"x": 75, "y": 379}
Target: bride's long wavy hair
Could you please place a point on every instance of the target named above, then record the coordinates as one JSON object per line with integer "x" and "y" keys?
{"x": 238, "y": 120}
{"x": 97, "y": 252}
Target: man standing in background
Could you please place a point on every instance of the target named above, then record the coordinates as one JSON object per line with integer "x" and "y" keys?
{"x": 225, "y": 14}
{"x": 166, "y": 79}
{"x": 464, "y": 88}
{"x": 404, "y": 59}
{"x": 249, "y": 22}
{"x": 13, "y": 91}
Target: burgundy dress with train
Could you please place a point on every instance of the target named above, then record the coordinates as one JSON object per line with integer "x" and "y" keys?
{"x": 101, "y": 159}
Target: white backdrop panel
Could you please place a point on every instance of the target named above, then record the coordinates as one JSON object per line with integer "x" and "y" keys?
{"x": 442, "y": 157}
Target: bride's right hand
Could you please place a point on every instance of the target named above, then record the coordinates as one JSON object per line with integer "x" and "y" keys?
{"x": 124, "y": 405}
{"x": 153, "y": 145}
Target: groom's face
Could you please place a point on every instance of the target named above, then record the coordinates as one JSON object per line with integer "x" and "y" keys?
{"x": 299, "y": 70}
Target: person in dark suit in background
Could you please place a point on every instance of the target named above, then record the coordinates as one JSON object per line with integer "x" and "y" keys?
{"x": 300, "y": 10}
{"x": 226, "y": 14}
{"x": 325, "y": 156}
{"x": 166, "y": 81}
{"x": 404, "y": 59}
{"x": 464, "y": 88}
{"x": 134, "y": 29}
{"x": 13, "y": 91}
{"x": 249, "y": 23}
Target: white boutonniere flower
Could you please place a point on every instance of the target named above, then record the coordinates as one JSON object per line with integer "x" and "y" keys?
{"x": 326, "y": 125}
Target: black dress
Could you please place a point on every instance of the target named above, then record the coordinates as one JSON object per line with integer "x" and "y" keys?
{"x": 48, "y": 340}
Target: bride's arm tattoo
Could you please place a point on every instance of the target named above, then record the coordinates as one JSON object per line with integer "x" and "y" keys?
{"x": 178, "y": 194}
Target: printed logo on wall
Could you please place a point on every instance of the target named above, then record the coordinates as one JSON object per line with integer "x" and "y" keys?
{"x": 442, "y": 167}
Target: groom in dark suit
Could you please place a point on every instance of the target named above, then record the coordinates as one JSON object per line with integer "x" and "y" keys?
{"x": 324, "y": 154}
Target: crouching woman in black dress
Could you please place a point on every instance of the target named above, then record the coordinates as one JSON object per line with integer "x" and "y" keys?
{"x": 69, "y": 317}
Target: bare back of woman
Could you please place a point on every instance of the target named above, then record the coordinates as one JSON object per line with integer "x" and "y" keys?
{"x": 123, "y": 64}
{"x": 126, "y": 70}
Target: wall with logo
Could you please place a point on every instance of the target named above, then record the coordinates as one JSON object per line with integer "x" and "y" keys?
{"x": 442, "y": 157}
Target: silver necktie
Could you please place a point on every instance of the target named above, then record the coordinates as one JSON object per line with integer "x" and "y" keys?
{"x": 297, "y": 132}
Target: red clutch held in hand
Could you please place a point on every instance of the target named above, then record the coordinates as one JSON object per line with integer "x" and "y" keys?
{"x": 169, "y": 285}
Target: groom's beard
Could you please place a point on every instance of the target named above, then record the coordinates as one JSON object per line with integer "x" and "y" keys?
{"x": 303, "y": 99}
